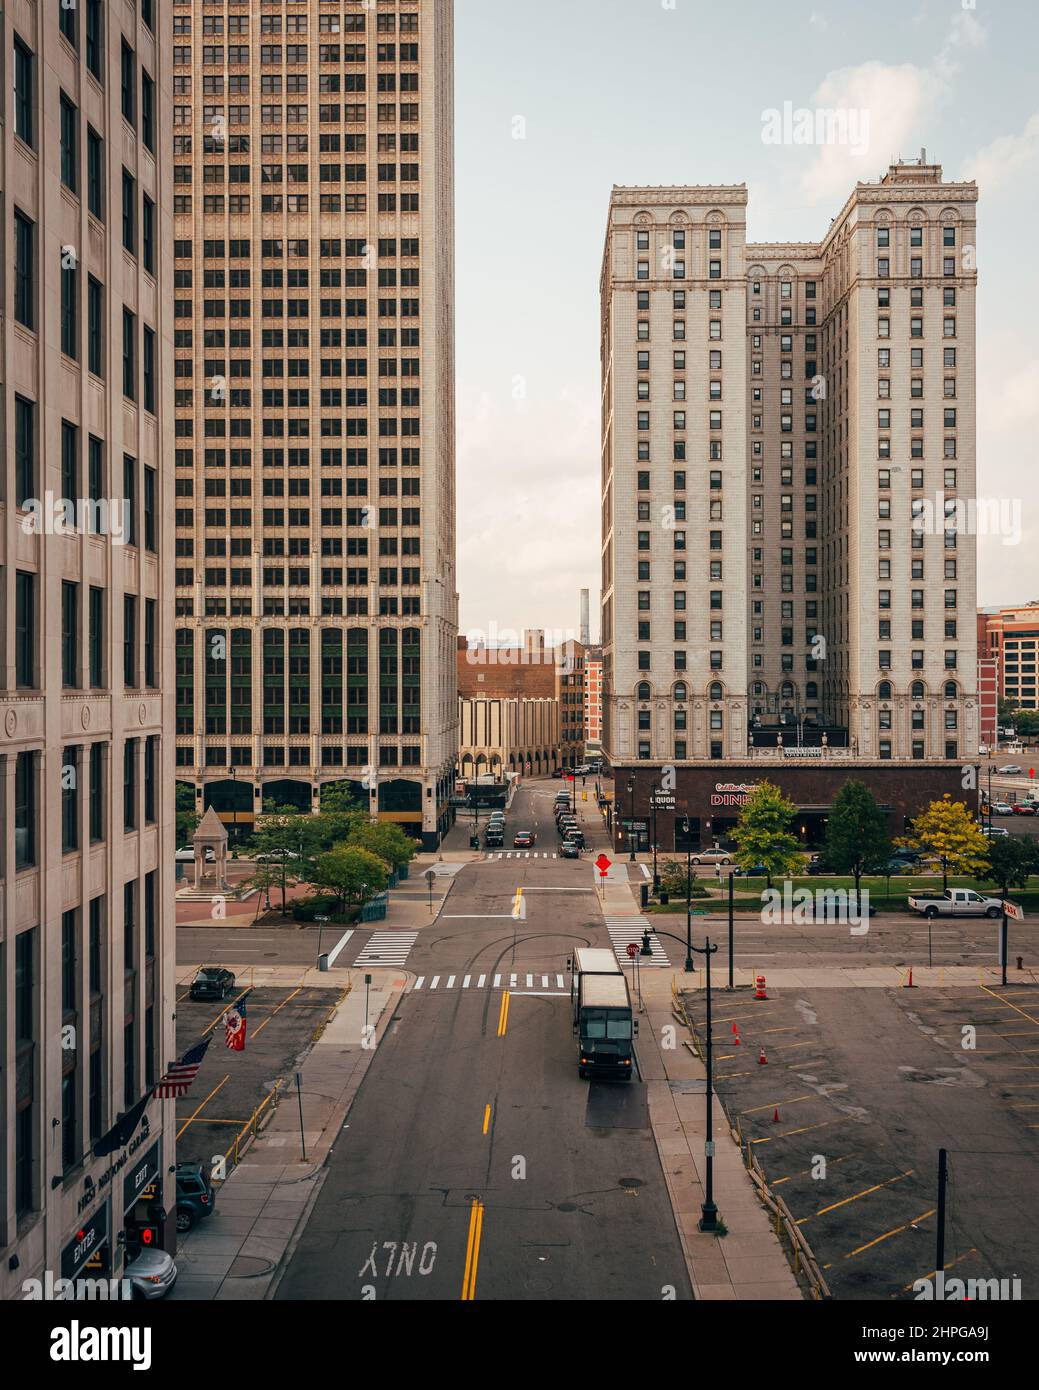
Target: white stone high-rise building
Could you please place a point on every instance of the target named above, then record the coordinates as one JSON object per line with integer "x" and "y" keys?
{"x": 86, "y": 624}
{"x": 314, "y": 300}
{"x": 788, "y": 453}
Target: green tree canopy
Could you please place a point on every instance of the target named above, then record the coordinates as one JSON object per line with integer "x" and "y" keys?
{"x": 186, "y": 816}
{"x": 386, "y": 840}
{"x": 763, "y": 833}
{"x": 946, "y": 831}
{"x": 350, "y": 874}
{"x": 856, "y": 832}
{"x": 1011, "y": 862}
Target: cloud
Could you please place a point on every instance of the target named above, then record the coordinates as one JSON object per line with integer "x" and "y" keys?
{"x": 1006, "y": 159}
{"x": 898, "y": 103}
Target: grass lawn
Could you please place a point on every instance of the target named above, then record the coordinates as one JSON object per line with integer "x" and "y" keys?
{"x": 747, "y": 894}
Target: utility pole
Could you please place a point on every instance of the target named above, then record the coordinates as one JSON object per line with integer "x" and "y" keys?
{"x": 731, "y": 930}
{"x": 943, "y": 1176}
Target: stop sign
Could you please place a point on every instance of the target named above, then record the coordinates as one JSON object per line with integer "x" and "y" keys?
{"x": 633, "y": 950}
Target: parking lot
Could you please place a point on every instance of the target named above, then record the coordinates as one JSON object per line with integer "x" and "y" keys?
{"x": 858, "y": 1091}
{"x": 214, "y": 1118}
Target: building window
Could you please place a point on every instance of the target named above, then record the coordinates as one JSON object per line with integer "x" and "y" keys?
{"x": 25, "y": 811}
{"x": 24, "y": 270}
{"x": 68, "y": 135}
{"x": 95, "y": 174}
{"x": 128, "y": 83}
{"x": 95, "y": 321}
{"x": 70, "y": 801}
{"x": 96, "y": 637}
{"x": 69, "y": 325}
{"x": 130, "y": 641}
{"x": 130, "y": 784}
{"x": 94, "y": 46}
{"x": 25, "y": 630}
{"x": 24, "y": 450}
{"x": 69, "y": 634}
{"x": 129, "y": 355}
{"x": 97, "y": 793}
{"x": 24, "y": 93}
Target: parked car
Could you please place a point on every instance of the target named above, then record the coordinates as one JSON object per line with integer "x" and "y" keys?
{"x": 493, "y": 839}
{"x": 559, "y": 772}
{"x": 564, "y": 825}
{"x": 1002, "y": 808}
{"x": 1009, "y": 770}
{"x": 276, "y": 856}
{"x": 956, "y": 902}
{"x": 212, "y": 982}
{"x": 818, "y": 867}
{"x": 524, "y": 840}
{"x": 187, "y": 856}
{"x": 151, "y": 1271}
{"x": 755, "y": 871}
{"x": 574, "y": 837}
{"x": 712, "y": 856}
{"x": 1026, "y": 808}
{"x": 195, "y": 1196}
{"x": 570, "y": 849}
{"x": 582, "y": 771}
{"x": 996, "y": 832}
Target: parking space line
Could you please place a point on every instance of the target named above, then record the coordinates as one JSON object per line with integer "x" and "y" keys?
{"x": 831, "y": 1163}
{"x": 202, "y": 1104}
{"x": 949, "y": 1264}
{"x": 788, "y": 1133}
{"x": 1022, "y": 1012}
{"x": 278, "y": 1010}
{"x": 772, "y": 1105}
{"x": 888, "y": 1234}
{"x": 877, "y": 1187}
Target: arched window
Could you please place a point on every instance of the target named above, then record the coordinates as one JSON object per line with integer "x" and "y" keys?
{"x": 715, "y": 692}
{"x": 681, "y": 693}
{"x": 884, "y": 690}
{"x": 951, "y": 690}
{"x": 916, "y": 690}
{"x": 643, "y": 692}
{"x": 788, "y": 691}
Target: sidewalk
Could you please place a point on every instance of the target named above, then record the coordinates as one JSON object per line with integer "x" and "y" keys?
{"x": 237, "y": 1252}
{"x": 749, "y": 1262}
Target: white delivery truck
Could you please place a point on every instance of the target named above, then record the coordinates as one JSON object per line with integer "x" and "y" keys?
{"x": 603, "y": 1022}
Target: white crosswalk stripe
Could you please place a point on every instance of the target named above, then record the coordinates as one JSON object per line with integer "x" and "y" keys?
{"x": 388, "y": 948}
{"x": 625, "y": 930}
{"x": 534, "y": 981}
{"x": 543, "y": 854}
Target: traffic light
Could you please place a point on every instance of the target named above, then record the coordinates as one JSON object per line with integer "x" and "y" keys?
{"x": 647, "y": 949}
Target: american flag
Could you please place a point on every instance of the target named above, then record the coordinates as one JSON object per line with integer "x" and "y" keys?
{"x": 178, "y": 1078}
{"x": 235, "y": 1026}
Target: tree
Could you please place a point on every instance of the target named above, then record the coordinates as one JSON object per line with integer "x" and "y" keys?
{"x": 856, "y": 833}
{"x": 350, "y": 874}
{"x": 388, "y": 841}
{"x": 185, "y": 813}
{"x": 285, "y": 838}
{"x": 763, "y": 833}
{"x": 946, "y": 831}
{"x": 673, "y": 880}
{"x": 1011, "y": 862}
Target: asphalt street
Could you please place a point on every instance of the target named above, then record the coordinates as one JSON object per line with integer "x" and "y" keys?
{"x": 470, "y": 1166}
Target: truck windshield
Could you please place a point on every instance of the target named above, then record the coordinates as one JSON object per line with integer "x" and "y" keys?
{"x": 614, "y": 1024}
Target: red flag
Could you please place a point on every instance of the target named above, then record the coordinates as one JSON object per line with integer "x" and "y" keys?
{"x": 235, "y": 1027}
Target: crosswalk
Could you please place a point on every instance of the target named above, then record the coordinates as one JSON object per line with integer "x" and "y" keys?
{"x": 388, "y": 948}
{"x": 625, "y": 930}
{"x": 519, "y": 854}
{"x": 515, "y": 980}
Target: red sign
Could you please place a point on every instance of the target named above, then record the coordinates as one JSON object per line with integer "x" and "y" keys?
{"x": 633, "y": 950}
{"x": 603, "y": 864}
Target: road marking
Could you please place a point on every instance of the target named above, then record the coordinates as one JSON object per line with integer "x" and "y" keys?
{"x": 480, "y": 982}
{"x": 388, "y": 948}
{"x": 625, "y": 930}
{"x": 512, "y": 981}
{"x": 472, "y": 1251}
{"x": 888, "y": 1234}
{"x": 202, "y": 1105}
{"x": 486, "y": 1118}
{"x": 334, "y": 952}
{"x": 450, "y": 982}
{"x": 434, "y": 982}
{"x": 788, "y": 1132}
{"x": 465, "y": 982}
{"x": 497, "y": 981}
{"x": 503, "y": 1015}
{"x": 771, "y": 1105}
{"x": 864, "y": 1193}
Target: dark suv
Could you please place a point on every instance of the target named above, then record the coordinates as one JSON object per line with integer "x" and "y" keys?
{"x": 212, "y": 982}
{"x": 195, "y": 1196}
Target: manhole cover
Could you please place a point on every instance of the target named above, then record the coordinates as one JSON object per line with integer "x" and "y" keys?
{"x": 630, "y": 1183}
{"x": 249, "y": 1267}
{"x": 566, "y": 1206}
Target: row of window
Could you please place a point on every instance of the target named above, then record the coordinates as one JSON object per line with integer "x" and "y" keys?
{"x": 329, "y": 113}
{"x": 238, "y": 54}
{"x": 331, "y": 755}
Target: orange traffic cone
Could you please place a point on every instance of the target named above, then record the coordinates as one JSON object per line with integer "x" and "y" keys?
{"x": 775, "y": 1116}
{"x": 735, "y": 1036}
{"x": 909, "y": 984}
{"x": 762, "y": 1059}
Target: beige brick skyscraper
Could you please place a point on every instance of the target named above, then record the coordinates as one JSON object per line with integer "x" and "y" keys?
{"x": 316, "y": 598}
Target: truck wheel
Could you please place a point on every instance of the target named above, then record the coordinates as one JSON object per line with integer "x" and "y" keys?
{"x": 931, "y": 913}
{"x": 582, "y": 1073}
{"x": 993, "y": 912}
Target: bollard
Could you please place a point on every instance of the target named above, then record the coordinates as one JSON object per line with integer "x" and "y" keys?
{"x": 1020, "y": 962}
{"x": 760, "y": 993}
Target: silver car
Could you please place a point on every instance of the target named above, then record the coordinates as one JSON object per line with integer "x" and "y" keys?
{"x": 712, "y": 856}
{"x": 151, "y": 1273}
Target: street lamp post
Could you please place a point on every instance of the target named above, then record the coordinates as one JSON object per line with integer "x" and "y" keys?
{"x": 631, "y": 822}
{"x": 656, "y": 876}
{"x": 234, "y": 807}
{"x": 688, "y": 901}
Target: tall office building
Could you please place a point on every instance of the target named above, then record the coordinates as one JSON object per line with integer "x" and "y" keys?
{"x": 86, "y": 608}
{"x": 788, "y": 445}
{"x": 316, "y": 609}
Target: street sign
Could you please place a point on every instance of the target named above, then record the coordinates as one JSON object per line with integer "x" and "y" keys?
{"x": 633, "y": 950}
{"x": 1014, "y": 910}
{"x": 430, "y": 875}
{"x": 603, "y": 864}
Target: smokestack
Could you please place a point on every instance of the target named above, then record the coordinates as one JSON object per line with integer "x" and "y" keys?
{"x": 585, "y": 629}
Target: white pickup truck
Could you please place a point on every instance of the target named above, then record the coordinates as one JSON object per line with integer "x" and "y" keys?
{"x": 956, "y": 902}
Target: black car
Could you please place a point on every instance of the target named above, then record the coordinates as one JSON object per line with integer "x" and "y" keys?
{"x": 212, "y": 982}
{"x": 570, "y": 849}
{"x": 195, "y": 1196}
{"x": 494, "y": 839}
{"x": 573, "y": 837}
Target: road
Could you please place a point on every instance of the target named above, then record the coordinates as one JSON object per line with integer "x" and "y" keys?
{"x": 475, "y": 1162}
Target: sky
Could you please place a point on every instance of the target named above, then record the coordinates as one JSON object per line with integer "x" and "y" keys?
{"x": 557, "y": 100}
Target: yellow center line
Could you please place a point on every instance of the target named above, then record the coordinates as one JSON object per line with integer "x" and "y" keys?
{"x": 503, "y": 1016}
{"x": 472, "y": 1250}
{"x": 202, "y": 1105}
{"x": 864, "y": 1193}
{"x": 486, "y": 1118}
{"x": 888, "y": 1234}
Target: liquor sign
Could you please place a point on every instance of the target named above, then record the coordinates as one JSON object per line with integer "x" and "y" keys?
{"x": 663, "y": 800}
{"x": 732, "y": 793}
